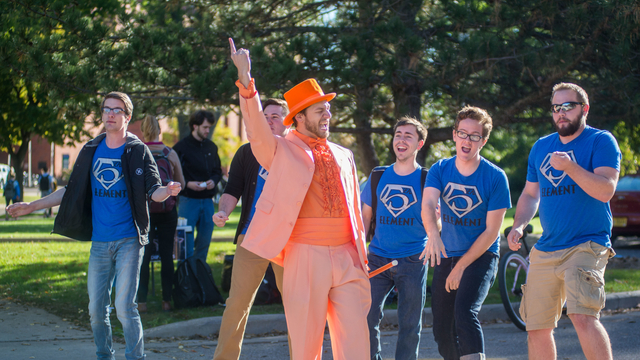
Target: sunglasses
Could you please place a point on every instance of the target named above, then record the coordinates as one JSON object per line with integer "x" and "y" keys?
{"x": 464, "y": 135}
{"x": 108, "y": 110}
{"x": 568, "y": 106}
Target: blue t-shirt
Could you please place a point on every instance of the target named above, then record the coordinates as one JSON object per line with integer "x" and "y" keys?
{"x": 262, "y": 178}
{"x": 568, "y": 215}
{"x": 110, "y": 209}
{"x": 465, "y": 201}
{"x": 399, "y": 229}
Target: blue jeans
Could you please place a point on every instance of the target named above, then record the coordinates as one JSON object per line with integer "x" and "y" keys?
{"x": 121, "y": 260}
{"x": 456, "y": 327}
{"x": 410, "y": 277}
{"x": 199, "y": 214}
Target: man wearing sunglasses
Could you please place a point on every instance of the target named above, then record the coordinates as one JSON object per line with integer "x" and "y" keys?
{"x": 572, "y": 175}
{"x": 474, "y": 196}
{"x": 107, "y": 204}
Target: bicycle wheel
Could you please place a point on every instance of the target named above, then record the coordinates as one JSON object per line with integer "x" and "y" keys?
{"x": 512, "y": 273}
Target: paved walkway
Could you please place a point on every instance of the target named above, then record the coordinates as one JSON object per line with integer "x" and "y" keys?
{"x": 31, "y": 333}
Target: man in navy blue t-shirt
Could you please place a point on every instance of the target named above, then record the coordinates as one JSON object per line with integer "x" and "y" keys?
{"x": 571, "y": 177}
{"x": 107, "y": 204}
{"x": 399, "y": 235}
{"x": 474, "y": 196}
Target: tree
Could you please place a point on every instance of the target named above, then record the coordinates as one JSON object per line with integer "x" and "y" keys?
{"x": 46, "y": 79}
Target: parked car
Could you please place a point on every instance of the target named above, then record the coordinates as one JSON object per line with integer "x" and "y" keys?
{"x": 625, "y": 207}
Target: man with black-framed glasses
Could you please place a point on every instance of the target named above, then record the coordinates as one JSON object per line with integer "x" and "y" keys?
{"x": 474, "y": 196}
{"x": 106, "y": 204}
{"x": 571, "y": 177}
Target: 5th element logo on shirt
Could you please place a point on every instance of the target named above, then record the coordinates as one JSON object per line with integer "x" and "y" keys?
{"x": 554, "y": 176}
{"x": 108, "y": 172}
{"x": 397, "y": 199}
{"x": 461, "y": 199}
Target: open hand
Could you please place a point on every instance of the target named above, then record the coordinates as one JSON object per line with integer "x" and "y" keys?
{"x": 432, "y": 251}
{"x": 19, "y": 209}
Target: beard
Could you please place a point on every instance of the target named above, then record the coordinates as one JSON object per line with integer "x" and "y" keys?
{"x": 315, "y": 129}
{"x": 572, "y": 128}
{"x": 201, "y": 134}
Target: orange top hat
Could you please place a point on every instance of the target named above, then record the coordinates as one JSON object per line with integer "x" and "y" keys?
{"x": 302, "y": 96}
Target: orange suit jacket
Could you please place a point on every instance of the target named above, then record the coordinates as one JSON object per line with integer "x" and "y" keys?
{"x": 289, "y": 162}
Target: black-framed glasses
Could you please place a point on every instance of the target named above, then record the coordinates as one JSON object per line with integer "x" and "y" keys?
{"x": 464, "y": 135}
{"x": 568, "y": 106}
{"x": 108, "y": 110}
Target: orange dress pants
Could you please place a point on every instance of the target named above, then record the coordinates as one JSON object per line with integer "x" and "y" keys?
{"x": 326, "y": 284}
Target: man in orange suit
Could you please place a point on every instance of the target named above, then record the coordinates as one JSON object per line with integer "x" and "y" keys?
{"x": 308, "y": 219}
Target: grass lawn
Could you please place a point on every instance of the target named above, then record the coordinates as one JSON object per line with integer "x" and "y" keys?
{"x": 53, "y": 275}
{"x": 34, "y": 226}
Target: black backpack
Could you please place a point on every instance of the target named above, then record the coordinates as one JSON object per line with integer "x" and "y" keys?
{"x": 194, "y": 285}
{"x": 227, "y": 269}
{"x": 211, "y": 294}
{"x": 166, "y": 175}
{"x": 374, "y": 178}
{"x": 44, "y": 183}
{"x": 268, "y": 292}
{"x": 9, "y": 189}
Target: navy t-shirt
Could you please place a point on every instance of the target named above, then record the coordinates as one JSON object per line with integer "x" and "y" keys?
{"x": 568, "y": 215}
{"x": 110, "y": 209}
{"x": 465, "y": 201}
{"x": 399, "y": 228}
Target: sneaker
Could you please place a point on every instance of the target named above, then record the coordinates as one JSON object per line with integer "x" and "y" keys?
{"x": 142, "y": 307}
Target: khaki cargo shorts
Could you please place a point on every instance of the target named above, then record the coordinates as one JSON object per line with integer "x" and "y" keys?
{"x": 574, "y": 275}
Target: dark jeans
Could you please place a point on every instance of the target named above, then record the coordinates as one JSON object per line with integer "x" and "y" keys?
{"x": 410, "y": 277}
{"x": 162, "y": 228}
{"x": 456, "y": 327}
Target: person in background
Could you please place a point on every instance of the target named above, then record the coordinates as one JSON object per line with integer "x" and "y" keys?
{"x": 162, "y": 222}
{"x": 202, "y": 172}
{"x": 45, "y": 183}
{"x": 246, "y": 181}
{"x": 11, "y": 191}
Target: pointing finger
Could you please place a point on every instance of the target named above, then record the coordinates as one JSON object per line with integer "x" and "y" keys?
{"x": 233, "y": 46}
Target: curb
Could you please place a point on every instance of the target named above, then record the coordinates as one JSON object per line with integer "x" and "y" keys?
{"x": 265, "y": 324}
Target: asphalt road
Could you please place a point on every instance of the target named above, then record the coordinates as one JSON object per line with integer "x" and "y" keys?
{"x": 502, "y": 341}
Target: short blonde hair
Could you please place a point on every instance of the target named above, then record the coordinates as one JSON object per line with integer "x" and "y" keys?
{"x": 478, "y": 114}
{"x": 150, "y": 128}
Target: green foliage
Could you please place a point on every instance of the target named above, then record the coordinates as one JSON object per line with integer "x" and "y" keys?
{"x": 227, "y": 143}
{"x": 629, "y": 143}
{"x": 384, "y": 59}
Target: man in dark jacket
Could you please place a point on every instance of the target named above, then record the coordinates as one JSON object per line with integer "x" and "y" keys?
{"x": 202, "y": 172}
{"x": 246, "y": 180}
{"x": 112, "y": 178}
